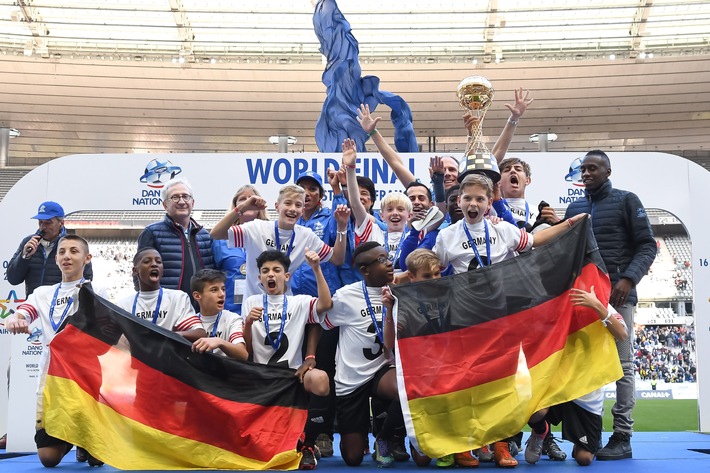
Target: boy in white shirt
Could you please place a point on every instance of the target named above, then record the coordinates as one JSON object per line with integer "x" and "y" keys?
{"x": 362, "y": 368}
{"x": 475, "y": 241}
{"x": 52, "y": 305}
{"x": 284, "y": 235}
{"x": 395, "y": 210}
{"x": 224, "y": 328}
{"x": 275, "y": 326}
{"x": 170, "y": 309}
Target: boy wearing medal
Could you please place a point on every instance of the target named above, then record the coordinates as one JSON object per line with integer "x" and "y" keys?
{"x": 283, "y": 235}
{"x": 52, "y": 305}
{"x": 475, "y": 242}
{"x": 275, "y": 326}
{"x": 170, "y": 309}
{"x": 362, "y": 368}
{"x": 396, "y": 209}
{"x": 224, "y": 328}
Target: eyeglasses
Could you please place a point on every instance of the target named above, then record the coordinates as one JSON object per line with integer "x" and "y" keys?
{"x": 380, "y": 259}
{"x": 177, "y": 198}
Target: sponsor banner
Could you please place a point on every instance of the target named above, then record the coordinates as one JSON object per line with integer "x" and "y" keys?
{"x": 651, "y": 394}
{"x": 26, "y": 351}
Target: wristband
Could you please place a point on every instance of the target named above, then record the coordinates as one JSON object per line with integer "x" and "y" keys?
{"x": 310, "y": 357}
{"x": 606, "y": 321}
{"x": 569, "y": 222}
{"x": 237, "y": 212}
{"x": 513, "y": 122}
{"x": 373, "y": 132}
{"x": 349, "y": 166}
{"x": 342, "y": 235}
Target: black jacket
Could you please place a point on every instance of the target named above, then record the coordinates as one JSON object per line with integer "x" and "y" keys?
{"x": 622, "y": 231}
{"x": 40, "y": 269}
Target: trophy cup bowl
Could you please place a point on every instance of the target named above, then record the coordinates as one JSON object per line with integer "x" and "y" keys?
{"x": 475, "y": 94}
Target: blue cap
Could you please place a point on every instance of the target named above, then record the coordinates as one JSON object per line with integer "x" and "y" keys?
{"x": 49, "y": 210}
{"x": 310, "y": 175}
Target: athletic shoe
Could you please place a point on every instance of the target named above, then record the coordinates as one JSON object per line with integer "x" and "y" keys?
{"x": 484, "y": 454}
{"x": 398, "y": 450}
{"x": 81, "y": 455}
{"x": 383, "y": 458}
{"x": 93, "y": 461}
{"x": 447, "y": 461}
{"x": 552, "y": 450}
{"x": 501, "y": 453}
{"x": 419, "y": 458}
{"x": 533, "y": 447}
{"x": 619, "y": 447}
{"x": 325, "y": 445}
{"x": 3, "y": 442}
{"x": 466, "y": 459}
{"x": 514, "y": 448}
{"x": 308, "y": 458}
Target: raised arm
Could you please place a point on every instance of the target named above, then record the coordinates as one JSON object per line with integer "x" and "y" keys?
{"x": 349, "y": 157}
{"x": 325, "y": 301}
{"x": 516, "y": 112}
{"x": 546, "y": 235}
{"x": 342, "y": 217}
{"x": 395, "y": 162}
{"x": 221, "y": 229}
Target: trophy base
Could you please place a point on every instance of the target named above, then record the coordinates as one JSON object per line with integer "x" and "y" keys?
{"x": 481, "y": 163}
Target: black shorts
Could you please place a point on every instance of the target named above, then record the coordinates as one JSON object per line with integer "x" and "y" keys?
{"x": 353, "y": 410}
{"x": 43, "y": 439}
{"x": 579, "y": 426}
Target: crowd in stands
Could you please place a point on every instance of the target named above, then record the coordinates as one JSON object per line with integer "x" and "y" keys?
{"x": 113, "y": 263}
{"x": 665, "y": 353}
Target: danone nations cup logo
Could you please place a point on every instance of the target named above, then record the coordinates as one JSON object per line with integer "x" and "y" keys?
{"x": 157, "y": 173}
{"x": 574, "y": 175}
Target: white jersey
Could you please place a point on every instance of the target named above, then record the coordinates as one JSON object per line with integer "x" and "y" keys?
{"x": 300, "y": 310}
{"x": 521, "y": 210}
{"x": 175, "y": 312}
{"x": 258, "y": 236}
{"x": 51, "y": 311}
{"x": 360, "y": 353}
{"x": 453, "y": 247}
{"x": 228, "y": 328}
{"x": 369, "y": 231}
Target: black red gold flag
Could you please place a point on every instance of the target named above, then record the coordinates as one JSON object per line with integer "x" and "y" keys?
{"x": 137, "y": 397}
{"x": 479, "y": 352}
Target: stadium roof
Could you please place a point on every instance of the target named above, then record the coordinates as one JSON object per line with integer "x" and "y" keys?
{"x": 126, "y": 76}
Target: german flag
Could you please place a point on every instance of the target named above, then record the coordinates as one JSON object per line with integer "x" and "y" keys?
{"x": 478, "y": 353}
{"x": 137, "y": 397}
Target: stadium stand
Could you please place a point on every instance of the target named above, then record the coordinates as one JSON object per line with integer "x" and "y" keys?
{"x": 8, "y": 178}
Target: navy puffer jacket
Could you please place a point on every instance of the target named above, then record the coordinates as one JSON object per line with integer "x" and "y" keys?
{"x": 181, "y": 258}
{"x": 622, "y": 231}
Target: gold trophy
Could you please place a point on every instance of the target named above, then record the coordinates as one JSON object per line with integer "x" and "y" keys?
{"x": 476, "y": 95}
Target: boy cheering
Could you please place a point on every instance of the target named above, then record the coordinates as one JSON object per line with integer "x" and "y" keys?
{"x": 275, "y": 329}
{"x": 283, "y": 235}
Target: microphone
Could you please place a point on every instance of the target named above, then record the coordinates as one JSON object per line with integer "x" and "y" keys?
{"x": 40, "y": 233}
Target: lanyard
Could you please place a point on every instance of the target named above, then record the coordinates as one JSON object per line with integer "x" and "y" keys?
{"x": 527, "y": 212}
{"x": 157, "y": 305}
{"x": 277, "y": 239}
{"x": 475, "y": 250}
{"x": 274, "y": 344}
{"x": 66, "y": 309}
{"x": 395, "y": 259}
{"x": 379, "y": 329}
{"x": 216, "y": 323}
